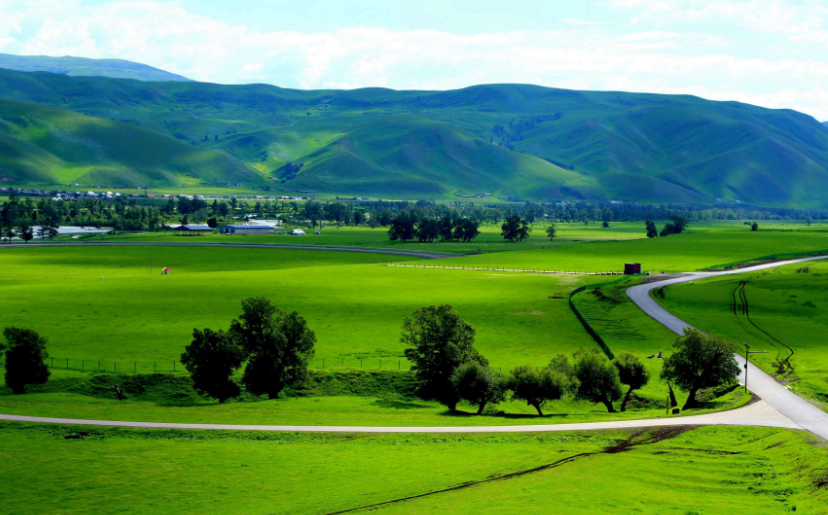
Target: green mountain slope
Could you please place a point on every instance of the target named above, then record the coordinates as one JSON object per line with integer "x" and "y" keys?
{"x": 42, "y": 145}
{"x": 509, "y": 140}
{"x": 82, "y": 66}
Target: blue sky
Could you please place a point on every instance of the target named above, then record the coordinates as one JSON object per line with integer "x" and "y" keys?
{"x": 772, "y": 53}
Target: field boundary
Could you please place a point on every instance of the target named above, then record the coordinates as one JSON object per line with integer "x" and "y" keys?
{"x": 368, "y": 250}
{"x": 595, "y": 336}
{"x": 486, "y": 269}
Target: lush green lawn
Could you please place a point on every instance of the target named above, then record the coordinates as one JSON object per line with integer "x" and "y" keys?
{"x": 787, "y": 304}
{"x": 489, "y": 240}
{"x": 48, "y": 469}
{"x": 706, "y": 245}
{"x": 356, "y": 310}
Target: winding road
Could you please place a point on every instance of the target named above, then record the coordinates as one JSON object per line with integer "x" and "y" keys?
{"x": 779, "y": 406}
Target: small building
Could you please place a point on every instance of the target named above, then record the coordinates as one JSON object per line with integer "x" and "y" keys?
{"x": 297, "y": 232}
{"x": 246, "y": 229}
{"x": 632, "y": 268}
{"x": 193, "y": 229}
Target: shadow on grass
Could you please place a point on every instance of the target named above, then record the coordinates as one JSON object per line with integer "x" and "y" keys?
{"x": 382, "y": 403}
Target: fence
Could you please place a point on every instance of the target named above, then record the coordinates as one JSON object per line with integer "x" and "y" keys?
{"x": 595, "y": 336}
{"x": 167, "y": 366}
{"x": 502, "y": 269}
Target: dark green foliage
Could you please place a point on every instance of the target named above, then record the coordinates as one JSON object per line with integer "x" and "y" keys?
{"x": 279, "y": 346}
{"x": 478, "y": 385}
{"x": 550, "y": 232}
{"x": 754, "y": 227}
{"x": 402, "y": 227}
{"x": 515, "y": 229}
{"x": 211, "y": 359}
{"x": 679, "y": 224}
{"x": 631, "y": 372}
{"x": 25, "y": 358}
{"x": 465, "y": 230}
{"x": 437, "y": 342}
{"x": 428, "y": 229}
{"x": 537, "y": 386}
{"x": 700, "y": 361}
{"x": 667, "y": 230}
{"x": 598, "y": 379}
{"x": 652, "y": 231}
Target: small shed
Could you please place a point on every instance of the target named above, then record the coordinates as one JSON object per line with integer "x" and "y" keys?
{"x": 246, "y": 229}
{"x": 632, "y": 268}
{"x": 297, "y": 232}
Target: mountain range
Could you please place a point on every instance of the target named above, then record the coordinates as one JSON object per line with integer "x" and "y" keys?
{"x": 82, "y": 66}
{"x": 509, "y": 140}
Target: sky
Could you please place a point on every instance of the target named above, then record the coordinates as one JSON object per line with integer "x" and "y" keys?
{"x": 772, "y": 53}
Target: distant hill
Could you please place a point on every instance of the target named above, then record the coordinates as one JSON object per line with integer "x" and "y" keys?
{"x": 517, "y": 141}
{"x": 45, "y": 145}
{"x": 81, "y": 66}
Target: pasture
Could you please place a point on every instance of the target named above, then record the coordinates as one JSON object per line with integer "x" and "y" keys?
{"x": 703, "y": 470}
{"x": 785, "y": 315}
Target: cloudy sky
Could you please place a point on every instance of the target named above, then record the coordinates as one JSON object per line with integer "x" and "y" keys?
{"x": 772, "y": 53}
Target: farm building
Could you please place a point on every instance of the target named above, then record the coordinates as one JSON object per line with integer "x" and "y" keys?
{"x": 246, "y": 229}
{"x": 193, "y": 229}
{"x": 297, "y": 232}
{"x": 632, "y": 268}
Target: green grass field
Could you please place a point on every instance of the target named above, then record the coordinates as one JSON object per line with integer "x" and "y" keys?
{"x": 70, "y": 470}
{"x": 785, "y": 315}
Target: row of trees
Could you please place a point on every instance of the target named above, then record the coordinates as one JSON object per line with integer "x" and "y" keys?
{"x": 440, "y": 344}
{"x": 405, "y": 227}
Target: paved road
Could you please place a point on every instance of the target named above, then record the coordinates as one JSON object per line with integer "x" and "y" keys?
{"x": 414, "y": 253}
{"x": 757, "y": 414}
{"x": 804, "y": 414}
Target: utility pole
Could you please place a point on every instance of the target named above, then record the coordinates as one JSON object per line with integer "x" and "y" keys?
{"x": 748, "y": 352}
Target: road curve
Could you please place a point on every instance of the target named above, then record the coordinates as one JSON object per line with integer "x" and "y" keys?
{"x": 758, "y": 414}
{"x": 412, "y": 253}
{"x": 803, "y": 413}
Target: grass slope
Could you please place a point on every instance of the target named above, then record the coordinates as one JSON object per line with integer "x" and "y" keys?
{"x": 704, "y": 470}
{"x": 380, "y": 142}
{"x": 68, "y": 65}
{"x": 784, "y": 315}
{"x": 45, "y": 145}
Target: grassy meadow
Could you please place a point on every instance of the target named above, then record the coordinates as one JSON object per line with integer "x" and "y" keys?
{"x": 49, "y": 469}
{"x": 785, "y": 315}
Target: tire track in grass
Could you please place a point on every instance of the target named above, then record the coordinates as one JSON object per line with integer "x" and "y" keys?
{"x": 657, "y": 435}
{"x": 745, "y": 309}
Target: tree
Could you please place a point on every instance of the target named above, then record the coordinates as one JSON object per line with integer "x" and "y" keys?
{"x": 538, "y": 386}
{"x": 26, "y": 231}
{"x": 427, "y": 229}
{"x": 279, "y": 346}
{"x": 667, "y": 230}
{"x": 402, "y": 227}
{"x": 465, "y": 230}
{"x": 446, "y": 228}
{"x": 605, "y": 224}
{"x": 478, "y": 385}
{"x": 212, "y": 222}
{"x": 437, "y": 342}
{"x": 754, "y": 227}
{"x": 679, "y": 224}
{"x": 632, "y": 373}
{"x": 550, "y": 232}
{"x": 700, "y": 361}
{"x": 652, "y": 231}
{"x": 211, "y": 359}
{"x": 598, "y": 379}
{"x": 25, "y": 358}
{"x": 515, "y": 228}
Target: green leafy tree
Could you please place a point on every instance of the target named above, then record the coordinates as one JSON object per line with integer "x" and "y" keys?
{"x": 437, "y": 342}
{"x": 700, "y": 361}
{"x": 536, "y": 387}
{"x": 652, "y": 231}
{"x": 212, "y": 222}
{"x": 515, "y": 229}
{"x": 26, "y": 231}
{"x": 598, "y": 379}
{"x": 465, "y": 229}
{"x": 754, "y": 227}
{"x": 279, "y": 346}
{"x": 679, "y": 224}
{"x": 631, "y": 372}
{"x": 550, "y": 232}
{"x": 478, "y": 385}
{"x": 446, "y": 228}
{"x": 667, "y": 230}
{"x": 427, "y": 229}
{"x": 25, "y": 359}
{"x": 212, "y": 358}
{"x": 402, "y": 227}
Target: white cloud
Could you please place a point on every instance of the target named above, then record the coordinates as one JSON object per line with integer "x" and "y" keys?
{"x": 681, "y": 58}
